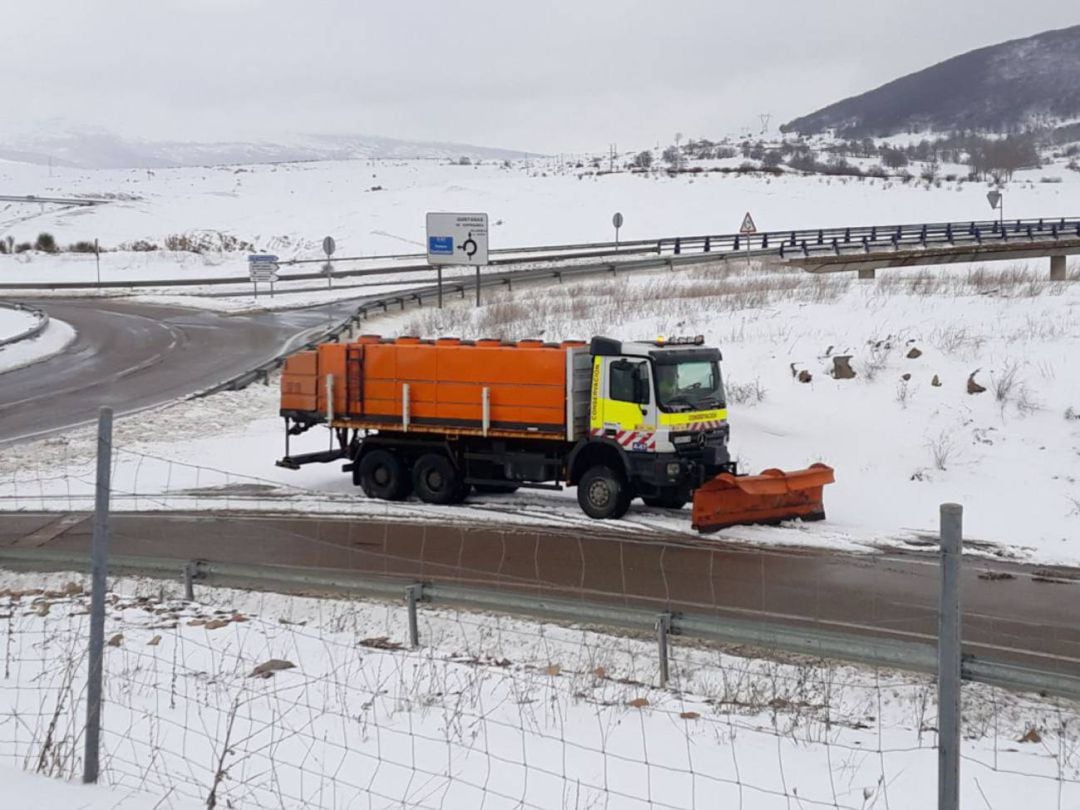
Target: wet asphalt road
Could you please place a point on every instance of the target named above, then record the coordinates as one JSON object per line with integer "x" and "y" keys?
{"x": 131, "y": 355}
{"x": 1020, "y": 614}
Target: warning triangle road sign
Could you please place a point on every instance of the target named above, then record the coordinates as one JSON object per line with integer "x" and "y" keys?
{"x": 748, "y": 224}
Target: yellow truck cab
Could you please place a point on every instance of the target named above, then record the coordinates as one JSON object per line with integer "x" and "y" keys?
{"x": 660, "y": 405}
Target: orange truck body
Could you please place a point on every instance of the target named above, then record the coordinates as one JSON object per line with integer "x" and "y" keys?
{"x": 446, "y": 386}
{"x": 439, "y": 417}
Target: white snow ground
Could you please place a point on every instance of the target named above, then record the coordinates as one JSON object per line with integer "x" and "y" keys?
{"x": 30, "y": 790}
{"x": 1011, "y": 455}
{"x": 489, "y": 712}
{"x": 900, "y": 447}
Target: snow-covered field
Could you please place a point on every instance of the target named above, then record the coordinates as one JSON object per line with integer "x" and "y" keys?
{"x": 1010, "y": 454}
{"x": 263, "y": 700}
{"x": 287, "y": 209}
{"x": 493, "y": 712}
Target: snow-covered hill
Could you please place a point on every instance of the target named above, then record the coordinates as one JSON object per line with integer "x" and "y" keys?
{"x": 94, "y": 148}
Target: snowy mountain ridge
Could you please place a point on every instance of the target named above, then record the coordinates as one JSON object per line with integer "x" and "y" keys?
{"x": 95, "y": 148}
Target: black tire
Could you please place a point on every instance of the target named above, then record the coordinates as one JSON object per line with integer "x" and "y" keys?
{"x": 435, "y": 480}
{"x": 495, "y": 489}
{"x": 603, "y": 494}
{"x": 667, "y": 499}
{"x": 382, "y": 475}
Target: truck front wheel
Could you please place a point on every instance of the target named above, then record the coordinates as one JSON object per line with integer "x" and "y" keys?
{"x": 382, "y": 475}
{"x": 603, "y": 494}
{"x": 437, "y": 481}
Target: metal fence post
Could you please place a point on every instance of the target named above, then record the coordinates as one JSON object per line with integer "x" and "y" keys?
{"x": 949, "y": 658}
{"x": 413, "y": 594}
{"x": 189, "y": 580}
{"x": 663, "y": 627}
{"x": 99, "y": 566}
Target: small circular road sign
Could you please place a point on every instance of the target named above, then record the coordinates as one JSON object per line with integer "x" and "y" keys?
{"x": 329, "y": 246}
{"x": 617, "y": 220}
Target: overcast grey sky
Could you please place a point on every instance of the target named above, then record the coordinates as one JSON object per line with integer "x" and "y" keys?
{"x": 540, "y": 76}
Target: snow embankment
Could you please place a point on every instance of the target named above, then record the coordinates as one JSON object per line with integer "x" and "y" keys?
{"x": 22, "y": 352}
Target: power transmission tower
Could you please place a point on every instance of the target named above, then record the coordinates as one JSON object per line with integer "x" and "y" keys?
{"x": 765, "y": 118}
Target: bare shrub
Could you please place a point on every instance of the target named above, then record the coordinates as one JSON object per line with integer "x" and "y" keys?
{"x": 748, "y": 393}
{"x": 903, "y": 393}
{"x": 1004, "y": 384}
{"x": 877, "y": 358}
{"x": 942, "y": 449}
{"x": 956, "y": 340}
{"x": 205, "y": 241}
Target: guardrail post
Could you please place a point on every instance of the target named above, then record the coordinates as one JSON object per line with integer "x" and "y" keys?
{"x": 99, "y": 568}
{"x": 663, "y": 628}
{"x": 949, "y": 659}
{"x": 413, "y": 594}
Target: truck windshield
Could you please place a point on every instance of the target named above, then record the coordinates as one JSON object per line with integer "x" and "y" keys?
{"x": 691, "y": 385}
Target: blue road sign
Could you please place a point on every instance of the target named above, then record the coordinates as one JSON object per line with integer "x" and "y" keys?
{"x": 262, "y": 258}
{"x": 441, "y": 245}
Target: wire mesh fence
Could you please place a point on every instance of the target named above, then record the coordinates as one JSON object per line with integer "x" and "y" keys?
{"x": 249, "y": 700}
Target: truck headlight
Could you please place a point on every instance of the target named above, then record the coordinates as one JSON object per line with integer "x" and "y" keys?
{"x": 673, "y": 469}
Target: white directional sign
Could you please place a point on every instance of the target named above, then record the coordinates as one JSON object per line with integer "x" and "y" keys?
{"x": 748, "y": 225}
{"x": 457, "y": 239}
{"x": 263, "y": 267}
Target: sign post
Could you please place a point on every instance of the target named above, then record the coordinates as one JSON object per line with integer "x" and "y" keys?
{"x": 617, "y": 221}
{"x": 997, "y": 201}
{"x": 329, "y": 246}
{"x": 263, "y": 267}
{"x": 460, "y": 239}
{"x": 747, "y": 229}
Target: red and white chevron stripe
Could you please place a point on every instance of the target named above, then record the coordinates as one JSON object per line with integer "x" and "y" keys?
{"x": 639, "y": 440}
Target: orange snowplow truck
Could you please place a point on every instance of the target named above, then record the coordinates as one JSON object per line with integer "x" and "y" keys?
{"x": 618, "y": 420}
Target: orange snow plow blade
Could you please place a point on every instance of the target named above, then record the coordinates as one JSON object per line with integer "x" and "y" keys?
{"x": 773, "y": 496}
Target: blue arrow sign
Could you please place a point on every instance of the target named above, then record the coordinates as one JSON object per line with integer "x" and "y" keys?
{"x": 441, "y": 245}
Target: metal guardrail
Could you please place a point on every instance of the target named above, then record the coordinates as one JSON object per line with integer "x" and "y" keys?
{"x": 35, "y": 330}
{"x": 680, "y": 251}
{"x": 787, "y": 244}
{"x": 430, "y": 293}
{"x": 911, "y": 653}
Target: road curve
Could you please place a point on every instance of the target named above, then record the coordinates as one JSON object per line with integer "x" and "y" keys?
{"x": 131, "y": 355}
{"x": 1015, "y": 614}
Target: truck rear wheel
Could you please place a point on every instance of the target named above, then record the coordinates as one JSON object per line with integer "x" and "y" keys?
{"x": 603, "y": 494}
{"x": 437, "y": 481}
{"x": 382, "y": 475}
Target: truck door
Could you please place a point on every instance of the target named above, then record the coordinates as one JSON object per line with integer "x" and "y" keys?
{"x": 625, "y": 407}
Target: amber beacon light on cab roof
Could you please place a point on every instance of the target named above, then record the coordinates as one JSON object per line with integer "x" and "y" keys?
{"x": 616, "y": 419}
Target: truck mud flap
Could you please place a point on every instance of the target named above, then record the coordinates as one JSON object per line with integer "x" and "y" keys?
{"x": 771, "y": 497}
